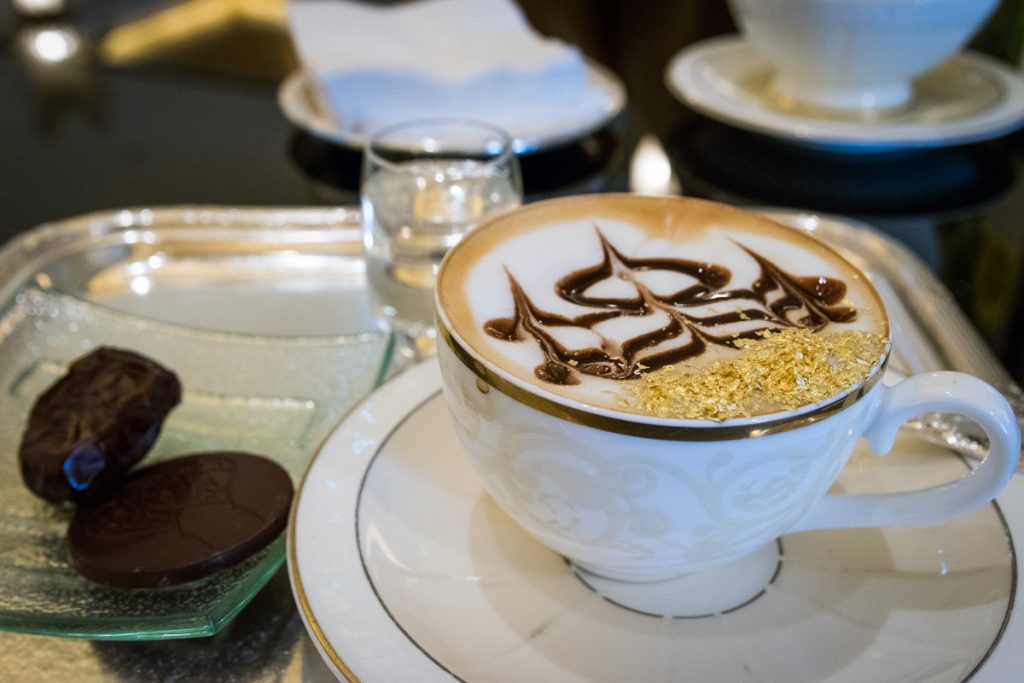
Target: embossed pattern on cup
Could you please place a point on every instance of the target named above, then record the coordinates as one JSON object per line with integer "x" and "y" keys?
{"x": 642, "y": 509}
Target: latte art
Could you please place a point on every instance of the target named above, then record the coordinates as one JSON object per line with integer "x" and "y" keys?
{"x": 775, "y": 298}
{"x": 581, "y": 300}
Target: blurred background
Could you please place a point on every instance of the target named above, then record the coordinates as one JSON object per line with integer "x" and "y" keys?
{"x": 124, "y": 103}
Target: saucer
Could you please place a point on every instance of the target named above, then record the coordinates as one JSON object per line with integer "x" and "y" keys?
{"x": 967, "y": 99}
{"x": 302, "y": 103}
{"x": 405, "y": 569}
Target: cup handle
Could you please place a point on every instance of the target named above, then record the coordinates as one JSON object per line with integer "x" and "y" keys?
{"x": 936, "y": 391}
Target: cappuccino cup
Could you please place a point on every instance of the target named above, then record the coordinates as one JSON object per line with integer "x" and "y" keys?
{"x": 564, "y": 325}
{"x": 856, "y": 54}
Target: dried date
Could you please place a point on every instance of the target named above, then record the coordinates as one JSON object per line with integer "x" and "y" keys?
{"x": 91, "y": 426}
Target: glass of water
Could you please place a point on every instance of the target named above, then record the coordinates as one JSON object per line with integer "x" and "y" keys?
{"x": 425, "y": 184}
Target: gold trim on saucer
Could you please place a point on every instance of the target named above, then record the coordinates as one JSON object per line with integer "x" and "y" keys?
{"x": 668, "y": 432}
{"x": 301, "y": 601}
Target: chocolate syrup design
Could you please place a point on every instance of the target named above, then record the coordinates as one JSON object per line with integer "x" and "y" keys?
{"x": 775, "y": 297}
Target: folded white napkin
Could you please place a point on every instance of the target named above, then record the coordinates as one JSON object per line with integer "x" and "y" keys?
{"x": 476, "y": 59}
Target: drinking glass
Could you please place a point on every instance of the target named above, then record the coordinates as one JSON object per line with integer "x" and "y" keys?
{"x": 425, "y": 184}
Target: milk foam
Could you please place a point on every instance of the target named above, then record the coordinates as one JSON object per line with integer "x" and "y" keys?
{"x": 540, "y": 248}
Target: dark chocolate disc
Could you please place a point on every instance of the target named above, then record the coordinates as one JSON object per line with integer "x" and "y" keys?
{"x": 180, "y": 520}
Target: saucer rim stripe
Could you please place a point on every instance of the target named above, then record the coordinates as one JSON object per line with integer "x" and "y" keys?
{"x": 1011, "y": 602}
{"x": 394, "y": 429}
{"x": 301, "y": 599}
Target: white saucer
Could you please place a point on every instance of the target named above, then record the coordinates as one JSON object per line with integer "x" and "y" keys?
{"x": 404, "y": 569}
{"x": 301, "y": 101}
{"x": 968, "y": 99}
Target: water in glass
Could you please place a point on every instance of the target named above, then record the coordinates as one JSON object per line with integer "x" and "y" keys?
{"x": 413, "y": 212}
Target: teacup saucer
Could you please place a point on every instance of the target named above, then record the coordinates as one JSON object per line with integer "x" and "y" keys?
{"x": 404, "y": 569}
{"x": 302, "y": 104}
{"x": 969, "y": 98}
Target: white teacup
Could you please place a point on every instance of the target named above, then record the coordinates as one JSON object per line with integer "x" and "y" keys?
{"x": 641, "y": 498}
{"x": 856, "y": 54}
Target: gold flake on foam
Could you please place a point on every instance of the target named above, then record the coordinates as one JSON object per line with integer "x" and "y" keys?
{"x": 779, "y": 371}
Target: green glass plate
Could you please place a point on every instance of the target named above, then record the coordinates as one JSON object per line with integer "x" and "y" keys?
{"x": 275, "y": 396}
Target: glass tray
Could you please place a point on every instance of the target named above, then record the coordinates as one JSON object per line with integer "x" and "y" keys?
{"x": 211, "y": 294}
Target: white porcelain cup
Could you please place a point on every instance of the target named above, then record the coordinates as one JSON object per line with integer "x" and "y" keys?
{"x": 856, "y": 54}
{"x": 639, "y": 498}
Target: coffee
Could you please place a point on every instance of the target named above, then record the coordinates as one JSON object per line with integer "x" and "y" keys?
{"x": 568, "y": 326}
{"x": 582, "y": 298}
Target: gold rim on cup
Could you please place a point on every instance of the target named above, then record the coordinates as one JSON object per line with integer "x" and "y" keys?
{"x": 667, "y": 432}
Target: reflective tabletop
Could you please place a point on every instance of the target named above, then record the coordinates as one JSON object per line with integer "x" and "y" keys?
{"x": 110, "y": 103}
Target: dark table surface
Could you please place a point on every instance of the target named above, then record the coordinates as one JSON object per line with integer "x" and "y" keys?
{"x": 169, "y": 103}
{"x": 143, "y": 115}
